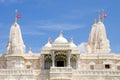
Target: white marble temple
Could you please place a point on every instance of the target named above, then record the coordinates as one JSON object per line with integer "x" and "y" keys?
{"x": 60, "y": 60}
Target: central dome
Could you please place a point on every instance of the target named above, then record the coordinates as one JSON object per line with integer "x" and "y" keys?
{"x": 60, "y": 39}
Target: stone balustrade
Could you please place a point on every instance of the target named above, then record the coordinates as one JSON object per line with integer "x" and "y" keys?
{"x": 42, "y": 72}
{"x": 60, "y": 73}
{"x": 16, "y": 72}
{"x": 97, "y": 72}
{"x": 61, "y": 70}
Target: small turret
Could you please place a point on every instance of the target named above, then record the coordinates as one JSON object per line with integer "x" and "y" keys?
{"x": 72, "y": 43}
{"x": 30, "y": 50}
{"x": 48, "y": 43}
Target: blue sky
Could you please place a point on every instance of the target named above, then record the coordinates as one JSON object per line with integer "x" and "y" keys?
{"x": 46, "y": 18}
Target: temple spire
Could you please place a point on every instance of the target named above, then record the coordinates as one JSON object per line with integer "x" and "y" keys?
{"x": 15, "y": 44}
{"x": 98, "y": 41}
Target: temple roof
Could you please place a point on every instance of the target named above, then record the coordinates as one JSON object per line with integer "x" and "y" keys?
{"x": 60, "y": 39}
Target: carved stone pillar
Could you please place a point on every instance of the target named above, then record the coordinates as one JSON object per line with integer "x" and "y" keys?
{"x": 43, "y": 61}
{"x": 53, "y": 59}
{"x": 68, "y": 58}
{"x": 78, "y": 61}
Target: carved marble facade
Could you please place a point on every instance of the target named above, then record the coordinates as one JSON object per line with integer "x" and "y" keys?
{"x": 60, "y": 60}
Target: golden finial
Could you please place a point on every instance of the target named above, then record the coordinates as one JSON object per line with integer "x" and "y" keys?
{"x": 49, "y": 40}
{"x": 94, "y": 21}
{"x": 72, "y": 40}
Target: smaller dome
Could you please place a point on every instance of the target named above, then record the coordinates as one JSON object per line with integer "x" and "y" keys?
{"x": 72, "y": 43}
{"x": 60, "y": 39}
{"x": 48, "y": 43}
{"x": 30, "y": 50}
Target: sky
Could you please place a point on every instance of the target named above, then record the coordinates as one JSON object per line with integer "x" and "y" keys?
{"x": 41, "y": 19}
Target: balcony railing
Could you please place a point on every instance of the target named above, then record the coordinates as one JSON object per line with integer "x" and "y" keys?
{"x": 61, "y": 70}
{"x": 97, "y": 72}
{"x": 16, "y": 72}
{"x": 60, "y": 73}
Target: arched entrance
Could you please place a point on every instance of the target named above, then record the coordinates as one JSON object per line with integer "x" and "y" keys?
{"x": 48, "y": 61}
{"x": 73, "y": 61}
{"x": 60, "y": 60}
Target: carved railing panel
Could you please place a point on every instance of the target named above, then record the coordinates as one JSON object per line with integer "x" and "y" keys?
{"x": 60, "y": 73}
{"x": 97, "y": 72}
{"x": 16, "y": 72}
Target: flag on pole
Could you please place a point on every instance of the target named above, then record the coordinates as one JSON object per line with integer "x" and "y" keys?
{"x": 104, "y": 15}
{"x": 18, "y": 15}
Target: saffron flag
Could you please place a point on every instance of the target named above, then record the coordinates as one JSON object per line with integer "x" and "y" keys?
{"x": 18, "y": 16}
{"x": 104, "y": 15}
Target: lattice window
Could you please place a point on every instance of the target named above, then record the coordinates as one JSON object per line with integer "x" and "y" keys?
{"x": 92, "y": 67}
{"x": 118, "y": 67}
{"x": 107, "y": 66}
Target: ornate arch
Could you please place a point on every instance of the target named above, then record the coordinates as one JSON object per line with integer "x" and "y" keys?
{"x": 73, "y": 61}
{"x": 61, "y": 58}
{"x": 48, "y": 62}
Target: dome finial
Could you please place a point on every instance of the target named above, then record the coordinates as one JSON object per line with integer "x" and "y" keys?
{"x": 48, "y": 44}
{"x": 94, "y": 21}
{"x": 49, "y": 40}
{"x": 72, "y": 43}
{"x": 30, "y": 50}
{"x": 61, "y": 33}
{"x": 72, "y": 40}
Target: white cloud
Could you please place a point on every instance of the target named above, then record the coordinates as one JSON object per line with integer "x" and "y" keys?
{"x": 9, "y": 1}
{"x": 81, "y": 47}
{"x": 2, "y": 1}
{"x": 78, "y": 13}
{"x": 33, "y": 33}
{"x": 59, "y": 26}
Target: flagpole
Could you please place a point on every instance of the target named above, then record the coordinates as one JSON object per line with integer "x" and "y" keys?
{"x": 99, "y": 19}
{"x": 15, "y": 15}
{"x": 103, "y": 14}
